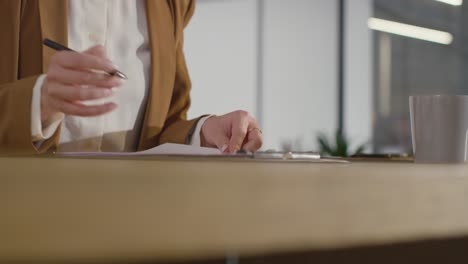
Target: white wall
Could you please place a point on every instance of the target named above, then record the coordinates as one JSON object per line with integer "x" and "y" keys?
{"x": 359, "y": 72}
{"x": 220, "y": 47}
{"x": 300, "y": 71}
{"x": 299, "y": 66}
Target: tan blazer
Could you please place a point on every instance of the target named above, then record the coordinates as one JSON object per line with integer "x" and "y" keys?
{"x": 23, "y": 26}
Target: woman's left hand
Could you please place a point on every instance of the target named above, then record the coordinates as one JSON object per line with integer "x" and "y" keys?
{"x": 232, "y": 132}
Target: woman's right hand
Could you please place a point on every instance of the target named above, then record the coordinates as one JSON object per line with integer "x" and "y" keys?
{"x": 74, "y": 77}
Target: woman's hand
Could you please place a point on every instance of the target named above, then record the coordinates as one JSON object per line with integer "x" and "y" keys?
{"x": 232, "y": 132}
{"x": 73, "y": 77}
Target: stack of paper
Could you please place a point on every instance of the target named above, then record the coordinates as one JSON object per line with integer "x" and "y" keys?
{"x": 163, "y": 150}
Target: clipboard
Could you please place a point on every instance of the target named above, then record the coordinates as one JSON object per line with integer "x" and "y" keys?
{"x": 177, "y": 151}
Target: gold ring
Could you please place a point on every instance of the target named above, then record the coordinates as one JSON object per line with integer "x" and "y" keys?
{"x": 256, "y": 128}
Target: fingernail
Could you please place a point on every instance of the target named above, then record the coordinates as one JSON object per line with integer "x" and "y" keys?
{"x": 235, "y": 150}
{"x": 109, "y": 64}
{"x": 224, "y": 148}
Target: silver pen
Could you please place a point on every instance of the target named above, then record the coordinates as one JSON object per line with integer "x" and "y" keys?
{"x": 56, "y": 46}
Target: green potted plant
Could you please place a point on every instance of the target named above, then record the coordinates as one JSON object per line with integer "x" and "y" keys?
{"x": 339, "y": 148}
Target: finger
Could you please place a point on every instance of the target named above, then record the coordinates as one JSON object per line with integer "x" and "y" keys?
{"x": 69, "y": 76}
{"x": 98, "y": 51}
{"x": 254, "y": 142}
{"x": 239, "y": 131}
{"x": 82, "y": 61}
{"x": 77, "y": 92}
{"x": 222, "y": 143}
{"x": 77, "y": 109}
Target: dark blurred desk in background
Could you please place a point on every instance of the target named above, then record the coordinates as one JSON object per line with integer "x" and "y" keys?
{"x": 181, "y": 210}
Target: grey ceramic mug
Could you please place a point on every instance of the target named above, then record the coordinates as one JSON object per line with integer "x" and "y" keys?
{"x": 439, "y": 128}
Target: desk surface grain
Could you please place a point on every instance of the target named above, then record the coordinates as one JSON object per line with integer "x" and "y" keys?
{"x": 178, "y": 209}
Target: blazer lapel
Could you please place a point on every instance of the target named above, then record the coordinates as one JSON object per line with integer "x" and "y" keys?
{"x": 163, "y": 68}
{"x": 54, "y": 25}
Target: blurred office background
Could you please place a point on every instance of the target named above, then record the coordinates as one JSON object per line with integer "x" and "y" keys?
{"x": 304, "y": 67}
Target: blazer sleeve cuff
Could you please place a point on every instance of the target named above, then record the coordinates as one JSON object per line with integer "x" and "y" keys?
{"x": 41, "y": 131}
{"x": 195, "y": 138}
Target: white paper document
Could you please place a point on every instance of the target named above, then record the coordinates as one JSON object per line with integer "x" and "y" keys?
{"x": 162, "y": 150}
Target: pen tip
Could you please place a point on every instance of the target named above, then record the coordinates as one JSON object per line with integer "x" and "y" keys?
{"x": 121, "y": 75}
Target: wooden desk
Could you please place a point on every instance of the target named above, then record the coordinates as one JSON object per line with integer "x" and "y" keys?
{"x": 188, "y": 209}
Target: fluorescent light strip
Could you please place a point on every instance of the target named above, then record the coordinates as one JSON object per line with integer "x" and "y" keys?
{"x": 452, "y": 2}
{"x": 410, "y": 31}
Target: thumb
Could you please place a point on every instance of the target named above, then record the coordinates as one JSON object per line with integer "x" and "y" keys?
{"x": 98, "y": 51}
{"x": 222, "y": 143}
